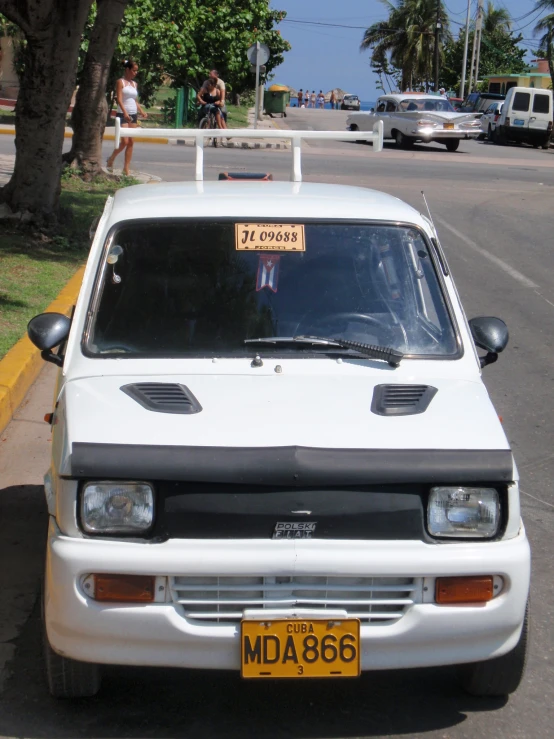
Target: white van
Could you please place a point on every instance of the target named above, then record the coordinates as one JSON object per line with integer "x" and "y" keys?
{"x": 526, "y": 117}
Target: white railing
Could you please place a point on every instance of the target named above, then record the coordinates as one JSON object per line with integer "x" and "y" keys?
{"x": 296, "y": 137}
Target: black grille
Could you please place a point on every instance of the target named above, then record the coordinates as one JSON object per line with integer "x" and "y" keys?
{"x": 163, "y": 397}
{"x": 401, "y": 400}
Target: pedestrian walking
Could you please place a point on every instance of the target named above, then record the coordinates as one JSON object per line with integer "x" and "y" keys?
{"x": 128, "y": 110}
{"x": 332, "y": 100}
{"x": 321, "y": 100}
{"x": 313, "y": 98}
{"x": 307, "y": 98}
{"x": 300, "y": 96}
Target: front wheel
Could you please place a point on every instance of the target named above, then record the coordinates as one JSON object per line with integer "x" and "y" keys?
{"x": 500, "y": 676}
{"x": 452, "y": 144}
{"x": 402, "y": 141}
{"x": 68, "y": 678}
{"x": 205, "y": 124}
{"x": 354, "y": 127}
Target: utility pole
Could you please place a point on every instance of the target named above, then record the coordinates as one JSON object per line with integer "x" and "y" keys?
{"x": 466, "y": 43}
{"x": 257, "y": 103}
{"x": 437, "y": 50}
{"x": 478, "y": 31}
{"x": 474, "y": 71}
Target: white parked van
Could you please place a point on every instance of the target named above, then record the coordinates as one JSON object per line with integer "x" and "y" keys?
{"x": 526, "y": 117}
{"x": 272, "y": 449}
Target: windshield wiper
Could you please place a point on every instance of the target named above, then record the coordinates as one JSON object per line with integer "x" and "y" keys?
{"x": 387, "y": 354}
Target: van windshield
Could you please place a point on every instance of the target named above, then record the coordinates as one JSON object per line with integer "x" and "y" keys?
{"x": 192, "y": 288}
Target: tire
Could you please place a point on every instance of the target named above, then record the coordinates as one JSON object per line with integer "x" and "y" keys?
{"x": 403, "y": 142}
{"x": 500, "y": 676}
{"x": 205, "y": 124}
{"x": 354, "y": 127}
{"x": 490, "y": 135}
{"x": 452, "y": 144}
{"x": 68, "y": 678}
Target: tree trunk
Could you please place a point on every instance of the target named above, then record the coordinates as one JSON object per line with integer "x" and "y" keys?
{"x": 91, "y": 108}
{"x": 53, "y": 31}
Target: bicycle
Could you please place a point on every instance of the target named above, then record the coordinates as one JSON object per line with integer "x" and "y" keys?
{"x": 209, "y": 121}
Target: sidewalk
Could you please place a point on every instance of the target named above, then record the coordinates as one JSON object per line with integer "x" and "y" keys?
{"x": 267, "y": 123}
{"x": 7, "y": 163}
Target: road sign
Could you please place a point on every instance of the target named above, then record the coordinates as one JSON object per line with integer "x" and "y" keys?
{"x": 258, "y": 54}
{"x": 263, "y": 54}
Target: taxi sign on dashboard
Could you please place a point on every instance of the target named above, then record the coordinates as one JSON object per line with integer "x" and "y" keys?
{"x": 269, "y": 237}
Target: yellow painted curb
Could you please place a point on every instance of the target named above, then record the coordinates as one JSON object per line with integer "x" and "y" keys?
{"x": 22, "y": 364}
{"x": 144, "y": 139}
{"x": 107, "y": 136}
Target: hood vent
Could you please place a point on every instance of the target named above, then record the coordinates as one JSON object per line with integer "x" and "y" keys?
{"x": 163, "y": 397}
{"x": 401, "y": 400}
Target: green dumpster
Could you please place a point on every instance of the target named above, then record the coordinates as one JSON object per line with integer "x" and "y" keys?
{"x": 276, "y": 100}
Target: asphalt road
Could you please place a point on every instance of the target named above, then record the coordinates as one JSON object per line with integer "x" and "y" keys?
{"x": 493, "y": 209}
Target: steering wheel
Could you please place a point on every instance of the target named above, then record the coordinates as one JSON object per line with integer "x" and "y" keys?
{"x": 327, "y": 322}
{"x": 332, "y": 318}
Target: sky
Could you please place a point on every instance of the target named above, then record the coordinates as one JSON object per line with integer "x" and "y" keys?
{"x": 325, "y": 56}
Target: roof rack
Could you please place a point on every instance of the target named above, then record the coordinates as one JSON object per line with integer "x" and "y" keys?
{"x": 296, "y": 137}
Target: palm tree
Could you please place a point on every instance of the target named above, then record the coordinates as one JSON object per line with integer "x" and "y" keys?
{"x": 546, "y": 27}
{"x": 408, "y": 38}
{"x": 496, "y": 18}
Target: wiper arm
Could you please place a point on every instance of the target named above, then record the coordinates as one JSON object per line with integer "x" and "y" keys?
{"x": 387, "y": 354}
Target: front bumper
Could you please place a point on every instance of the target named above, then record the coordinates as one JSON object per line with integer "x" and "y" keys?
{"x": 158, "y": 634}
{"x": 439, "y": 134}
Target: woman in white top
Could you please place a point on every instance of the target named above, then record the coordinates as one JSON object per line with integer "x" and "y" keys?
{"x": 128, "y": 109}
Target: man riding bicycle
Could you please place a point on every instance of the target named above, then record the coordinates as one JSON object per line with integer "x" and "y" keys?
{"x": 209, "y": 97}
{"x": 220, "y": 85}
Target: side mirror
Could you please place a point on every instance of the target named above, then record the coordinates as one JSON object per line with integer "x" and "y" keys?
{"x": 490, "y": 334}
{"x": 47, "y": 331}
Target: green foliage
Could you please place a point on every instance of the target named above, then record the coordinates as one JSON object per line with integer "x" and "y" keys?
{"x": 35, "y": 265}
{"x": 545, "y": 28}
{"x": 500, "y": 54}
{"x": 177, "y": 42}
{"x": 406, "y": 41}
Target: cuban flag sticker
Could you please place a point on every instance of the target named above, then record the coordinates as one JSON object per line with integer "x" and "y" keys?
{"x": 268, "y": 272}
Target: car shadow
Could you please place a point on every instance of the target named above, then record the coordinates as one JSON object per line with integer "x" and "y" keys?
{"x": 146, "y": 702}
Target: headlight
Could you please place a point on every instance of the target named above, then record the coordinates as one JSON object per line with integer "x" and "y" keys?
{"x": 117, "y": 508}
{"x": 463, "y": 512}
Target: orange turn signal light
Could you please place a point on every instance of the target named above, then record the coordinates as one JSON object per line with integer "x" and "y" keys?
{"x": 460, "y": 590}
{"x": 124, "y": 588}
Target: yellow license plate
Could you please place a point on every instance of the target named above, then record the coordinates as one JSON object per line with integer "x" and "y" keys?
{"x": 448, "y": 125}
{"x": 269, "y": 237}
{"x": 297, "y": 648}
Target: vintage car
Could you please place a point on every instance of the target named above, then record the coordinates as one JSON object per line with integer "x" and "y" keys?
{"x": 272, "y": 449}
{"x": 410, "y": 118}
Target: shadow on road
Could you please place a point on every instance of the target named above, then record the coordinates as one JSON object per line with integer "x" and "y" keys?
{"x": 140, "y": 702}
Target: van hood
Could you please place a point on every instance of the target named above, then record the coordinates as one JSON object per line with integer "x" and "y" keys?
{"x": 255, "y": 414}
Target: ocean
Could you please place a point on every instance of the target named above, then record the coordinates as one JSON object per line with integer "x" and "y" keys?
{"x": 365, "y": 105}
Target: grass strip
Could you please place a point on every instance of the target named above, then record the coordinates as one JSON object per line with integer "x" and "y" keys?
{"x": 36, "y": 264}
